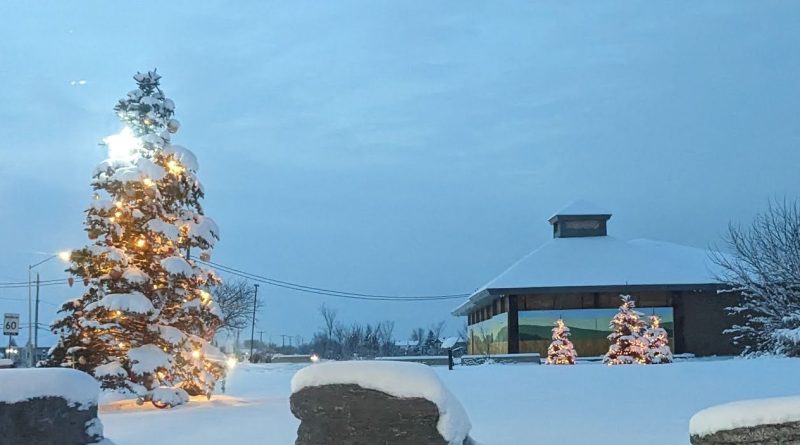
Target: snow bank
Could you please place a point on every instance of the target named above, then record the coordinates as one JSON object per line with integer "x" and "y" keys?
{"x": 746, "y": 413}
{"x": 403, "y": 380}
{"x": 76, "y": 387}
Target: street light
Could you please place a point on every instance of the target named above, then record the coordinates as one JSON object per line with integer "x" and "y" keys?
{"x": 63, "y": 255}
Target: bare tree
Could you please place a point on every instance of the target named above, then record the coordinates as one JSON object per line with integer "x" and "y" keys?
{"x": 328, "y": 330}
{"x": 386, "y": 337}
{"x": 235, "y": 300}
{"x": 764, "y": 267}
{"x": 438, "y": 329}
{"x": 463, "y": 332}
{"x": 418, "y": 335}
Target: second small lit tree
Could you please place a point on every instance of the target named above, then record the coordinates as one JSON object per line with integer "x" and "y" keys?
{"x": 627, "y": 344}
{"x": 657, "y": 339}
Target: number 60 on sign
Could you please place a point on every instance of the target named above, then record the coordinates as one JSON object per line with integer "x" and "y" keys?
{"x": 11, "y": 324}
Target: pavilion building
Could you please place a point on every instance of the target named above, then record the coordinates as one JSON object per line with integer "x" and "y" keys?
{"x": 579, "y": 276}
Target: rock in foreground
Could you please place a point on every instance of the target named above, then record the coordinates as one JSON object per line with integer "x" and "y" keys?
{"x": 49, "y": 407}
{"x": 750, "y": 422}
{"x": 376, "y": 403}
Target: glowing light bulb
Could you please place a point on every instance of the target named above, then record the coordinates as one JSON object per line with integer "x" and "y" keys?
{"x": 140, "y": 242}
{"x": 196, "y": 354}
{"x": 123, "y": 146}
{"x": 148, "y": 182}
{"x": 174, "y": 167}
{"x": 231, "y": 362}
{"x": 314, "y": 358}
{"x": 65, "y": 255}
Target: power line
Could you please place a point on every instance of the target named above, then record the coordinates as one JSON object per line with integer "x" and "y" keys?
{"x": 276, "y": 283}
{"x": 323, "y": 291}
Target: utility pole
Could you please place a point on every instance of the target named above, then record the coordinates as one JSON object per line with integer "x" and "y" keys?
{"x": 261, "y": 337}
{"x": 36, "y": 321}
{"x": 253, "y": 326}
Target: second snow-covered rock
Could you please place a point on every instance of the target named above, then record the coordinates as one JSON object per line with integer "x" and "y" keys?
{"x": 362, "y": 402}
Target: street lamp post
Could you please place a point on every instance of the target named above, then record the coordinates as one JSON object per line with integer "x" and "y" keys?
{"x": 31, "y": 348}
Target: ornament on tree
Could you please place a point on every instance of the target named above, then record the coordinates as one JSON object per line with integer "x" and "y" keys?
{"x": 561, "y": 351}
{"x": 658, "y": 351}
{"x": 145, "y": 310}
{"x": 627, "y": 344}
{"x": 173, "y": 125}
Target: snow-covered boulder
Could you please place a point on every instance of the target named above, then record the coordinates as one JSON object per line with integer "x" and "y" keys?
{"x": 765, "y": 421}
{"x": 376, "y": 402}
{"x": 51, "y": 406}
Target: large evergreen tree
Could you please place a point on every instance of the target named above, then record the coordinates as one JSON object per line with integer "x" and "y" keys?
{"x": 627, "y": 345}
{"x": 147, "y": 317}
{"x": 561, "y": 351}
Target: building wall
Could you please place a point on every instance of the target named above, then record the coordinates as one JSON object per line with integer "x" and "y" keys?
{"x": 701, "y": 318}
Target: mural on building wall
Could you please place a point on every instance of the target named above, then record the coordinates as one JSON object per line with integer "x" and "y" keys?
{"x": 489, "y": 336}
{"x": 584, "y": 324}
{"x": 589, "y": 328}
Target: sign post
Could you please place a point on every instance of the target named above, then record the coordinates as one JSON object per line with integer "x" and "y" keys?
{"x": 10, "y": 324}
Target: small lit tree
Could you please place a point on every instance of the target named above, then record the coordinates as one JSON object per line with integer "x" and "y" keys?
{"x": 627, "y": 344}
{"x": 657, "y": 342}
{"x": 561, "y": 351}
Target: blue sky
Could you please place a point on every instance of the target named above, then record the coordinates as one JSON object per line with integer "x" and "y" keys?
{"x": 404, "y": 147}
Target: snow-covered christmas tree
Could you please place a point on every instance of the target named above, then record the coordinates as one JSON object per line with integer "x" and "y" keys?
{"x": 147, "y": 317}
{"x": 627, "y": 344}
{"x": 561, "y": 351}
{"x": 657, "y": 340}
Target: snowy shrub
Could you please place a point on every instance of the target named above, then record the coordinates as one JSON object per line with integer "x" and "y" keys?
{"x": 764, "y": 267}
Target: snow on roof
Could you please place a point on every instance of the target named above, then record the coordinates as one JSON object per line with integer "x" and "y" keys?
{"x": 76, "y": 387}
{"x": 449, "y": 342}
{"x": 603, "y": 261}
{"x": 746, "y": 413}
{"x": 581, "y": 207}
{"x": 400, "y": 379}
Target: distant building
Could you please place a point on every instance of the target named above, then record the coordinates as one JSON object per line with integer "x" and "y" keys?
{"x": 579, "y": 276}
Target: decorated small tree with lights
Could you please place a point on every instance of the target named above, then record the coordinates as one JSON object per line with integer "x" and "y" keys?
{"x": 627, "y": 344}
{"x": 561, "y": 351}
{"x": 657, "y": 340}
{"x": 146, "y": 317}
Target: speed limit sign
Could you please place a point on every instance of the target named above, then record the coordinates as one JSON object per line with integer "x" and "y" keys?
{"x": 10, "y": 324}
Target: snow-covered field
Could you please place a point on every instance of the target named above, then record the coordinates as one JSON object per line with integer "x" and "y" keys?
{"x": 507, "y": 404}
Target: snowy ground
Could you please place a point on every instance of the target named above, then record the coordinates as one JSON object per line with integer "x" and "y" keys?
{"x": 508, "y": 404}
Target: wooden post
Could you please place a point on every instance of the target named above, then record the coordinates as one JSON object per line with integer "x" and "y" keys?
{"x": 450, "y": 359}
